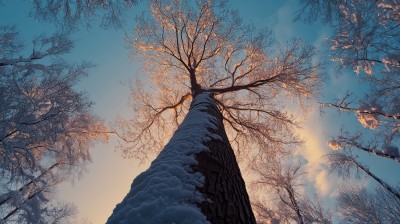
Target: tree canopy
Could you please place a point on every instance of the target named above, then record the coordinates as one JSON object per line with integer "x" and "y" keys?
{"x": 204, "y": 46}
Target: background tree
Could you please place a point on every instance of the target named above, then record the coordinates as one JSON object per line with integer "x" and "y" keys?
{"x": 366, "y": 39}
{"x": 282, "y": 200}
{"x": 344, "y": 162}
{"x": 356, "y": 205}
{"x": 70, "y": 14}
{"x": 46, "y": 126}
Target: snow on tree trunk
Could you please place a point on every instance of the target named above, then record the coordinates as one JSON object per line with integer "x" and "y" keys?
{"x": 194, "y": 179}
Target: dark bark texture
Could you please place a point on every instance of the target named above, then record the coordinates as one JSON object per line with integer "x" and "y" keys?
{"x": 228, "y": 201}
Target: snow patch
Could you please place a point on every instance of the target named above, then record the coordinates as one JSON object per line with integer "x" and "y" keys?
{"x": 335, "y": 145}
{"x": 166, "y": 192}
{"x": 365, "y": 116}
{"x": 391, "y": 150}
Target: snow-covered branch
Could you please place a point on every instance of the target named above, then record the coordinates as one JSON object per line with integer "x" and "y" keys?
{"x": 347, "y": 141}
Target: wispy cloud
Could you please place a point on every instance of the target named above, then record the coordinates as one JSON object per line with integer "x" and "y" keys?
{"x": 314, "y": 150}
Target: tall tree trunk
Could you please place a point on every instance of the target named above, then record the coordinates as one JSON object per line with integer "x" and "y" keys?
{"x": 224, "y": 185}
{"x": 172, "y": 189}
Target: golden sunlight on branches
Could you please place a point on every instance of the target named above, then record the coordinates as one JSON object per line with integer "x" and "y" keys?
{"x": 190, "y": 48}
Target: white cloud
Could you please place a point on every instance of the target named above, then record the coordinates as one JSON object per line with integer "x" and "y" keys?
{"x": 314, "y": 150}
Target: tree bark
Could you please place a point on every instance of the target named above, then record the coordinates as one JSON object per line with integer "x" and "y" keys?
{"x": 224, "y": 186}
{"x": 195, "y": 87}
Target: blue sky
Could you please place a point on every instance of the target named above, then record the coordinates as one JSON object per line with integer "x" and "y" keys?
{"x": 108, "y": 177}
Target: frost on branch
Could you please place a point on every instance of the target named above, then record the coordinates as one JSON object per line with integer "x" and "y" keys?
{"x": 46, "y": 126}
{"x": 349, "y": 142}
{"x": 367, "y": 117}
{"x": 334, "y": 145}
